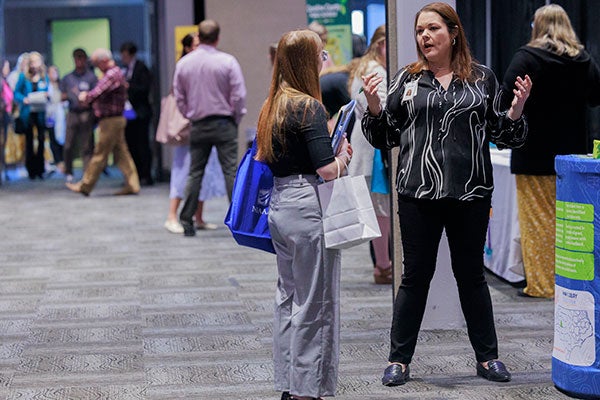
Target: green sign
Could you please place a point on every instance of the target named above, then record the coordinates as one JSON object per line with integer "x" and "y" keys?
{"x": 575, "y": 211}
{"x": 575, "y": 265}
{"x": 576, "y": 236}
{"x": 575, "y": 240}
{"x": 335, "y": 16}
{"x": 67, "y": 35}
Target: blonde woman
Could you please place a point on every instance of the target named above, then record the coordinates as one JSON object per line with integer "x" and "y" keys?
{"x": 31, "y": 94}
{"x": 566, "y": 80}
{"x": 374, "y": 61}
{"x": 21, "y": 65}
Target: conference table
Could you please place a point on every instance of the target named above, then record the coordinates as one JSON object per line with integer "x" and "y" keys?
{"x": 502, "y": 254}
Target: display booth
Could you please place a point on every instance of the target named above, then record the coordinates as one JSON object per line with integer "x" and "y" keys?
{"x": 576, "y": 352}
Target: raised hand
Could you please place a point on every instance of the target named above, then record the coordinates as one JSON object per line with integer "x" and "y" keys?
{"x": 521, "y": 92}
{"x": 369, "y": 88}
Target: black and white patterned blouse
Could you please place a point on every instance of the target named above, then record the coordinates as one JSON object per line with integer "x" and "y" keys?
{"x": 444, "y": 135}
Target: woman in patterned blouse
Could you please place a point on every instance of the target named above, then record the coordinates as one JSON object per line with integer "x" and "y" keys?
{"x": 442, "y": 111}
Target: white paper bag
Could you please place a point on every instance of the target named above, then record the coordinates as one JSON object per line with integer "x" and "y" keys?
{"x": 348, "y": 215}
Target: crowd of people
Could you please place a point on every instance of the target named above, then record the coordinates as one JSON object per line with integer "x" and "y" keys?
{"x": 442, "y": 111}
{"x": 48, "y": 111}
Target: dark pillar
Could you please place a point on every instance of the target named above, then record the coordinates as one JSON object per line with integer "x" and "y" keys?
{"x": 199, "y": 11}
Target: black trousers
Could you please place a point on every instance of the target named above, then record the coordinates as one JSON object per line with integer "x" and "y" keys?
{"x": 138, "y": 142}
{"x": 34, "y": 146}
{"x": 222, "y": 133}
{"x": 421, "y": 225}
{"x": 55, "y": 147}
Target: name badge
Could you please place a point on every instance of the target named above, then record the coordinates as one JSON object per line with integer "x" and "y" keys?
{"x": 410, "y": 90}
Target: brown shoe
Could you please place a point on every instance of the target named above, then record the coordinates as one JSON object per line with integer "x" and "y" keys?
{"x": 76, "y": 187}
{"x": 126, "y": 191}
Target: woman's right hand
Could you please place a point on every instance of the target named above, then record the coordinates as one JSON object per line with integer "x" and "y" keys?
{"x": 336, "y": 168}
{"x": 345, "y": 151}
{"x": 370, "y": 84}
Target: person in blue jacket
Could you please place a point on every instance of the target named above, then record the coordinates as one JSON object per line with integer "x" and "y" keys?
{"x": 31, "y": 95}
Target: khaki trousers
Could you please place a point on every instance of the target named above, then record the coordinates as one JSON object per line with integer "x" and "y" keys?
{"x": 111, "y": 138}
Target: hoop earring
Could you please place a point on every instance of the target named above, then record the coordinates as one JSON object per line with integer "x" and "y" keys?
{"x": 454, "y": 42}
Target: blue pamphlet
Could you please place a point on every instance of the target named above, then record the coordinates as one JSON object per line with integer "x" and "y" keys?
{"x": 344, "y": 116}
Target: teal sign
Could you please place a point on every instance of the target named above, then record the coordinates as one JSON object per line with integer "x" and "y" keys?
{"x": 335, "y": 16}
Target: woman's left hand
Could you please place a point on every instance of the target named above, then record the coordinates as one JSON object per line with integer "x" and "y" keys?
{"x": 521, "y": 92}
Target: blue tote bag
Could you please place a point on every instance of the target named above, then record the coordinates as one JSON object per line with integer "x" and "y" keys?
{"x": 248, "y": 211}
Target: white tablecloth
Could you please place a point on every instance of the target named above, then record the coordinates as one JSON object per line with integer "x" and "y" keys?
{"x": 503, "y": 244}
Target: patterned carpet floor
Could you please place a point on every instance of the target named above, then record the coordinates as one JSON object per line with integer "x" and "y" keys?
{"x": 99, "y": 301}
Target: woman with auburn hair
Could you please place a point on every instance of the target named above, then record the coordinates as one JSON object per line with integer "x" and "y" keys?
{"x": 442, "y": 111}
{"x": 566, "y": 80}
{"x": 293, "y": 139}
{"x": 373, "y": 61}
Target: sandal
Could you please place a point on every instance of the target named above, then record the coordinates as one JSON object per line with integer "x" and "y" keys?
{"x": 383, "y": 276}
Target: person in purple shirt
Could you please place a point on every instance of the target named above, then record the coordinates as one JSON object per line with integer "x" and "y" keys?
{"x": 210, "y": 91}
{"x": 108, "y": 102}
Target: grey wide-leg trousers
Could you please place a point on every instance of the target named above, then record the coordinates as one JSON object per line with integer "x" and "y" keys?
{"x": 306, "y": 329}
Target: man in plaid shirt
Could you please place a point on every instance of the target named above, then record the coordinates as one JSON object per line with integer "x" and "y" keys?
{"x": 108, "y": 101}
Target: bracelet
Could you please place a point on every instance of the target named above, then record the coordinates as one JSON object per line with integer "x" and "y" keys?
{"x": 347, "y": 160}
{"x": 343, "y": 161}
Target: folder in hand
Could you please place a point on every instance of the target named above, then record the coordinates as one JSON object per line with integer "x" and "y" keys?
{"x": 341, "y": 126}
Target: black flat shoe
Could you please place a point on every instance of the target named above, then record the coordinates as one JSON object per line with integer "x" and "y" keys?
{"x": 288, "y": 396}
{"x": 495, "y": 372}
{"x": 393, "y": 375}
{"x": 188, "y": 229}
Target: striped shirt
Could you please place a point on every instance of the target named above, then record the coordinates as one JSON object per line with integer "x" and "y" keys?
{"x": 109, "y": 95}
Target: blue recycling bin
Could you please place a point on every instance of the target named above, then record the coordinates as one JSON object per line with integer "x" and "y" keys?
{"x": 576, "y": 351}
